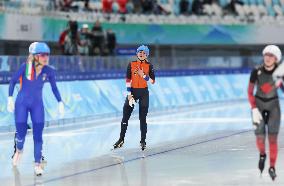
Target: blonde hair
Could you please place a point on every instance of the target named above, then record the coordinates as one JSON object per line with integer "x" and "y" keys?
{"x": 31, "y": 58}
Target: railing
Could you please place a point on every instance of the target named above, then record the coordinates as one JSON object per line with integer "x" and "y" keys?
{"x": 92, "y": 64}
{"x": 80, "y": 67}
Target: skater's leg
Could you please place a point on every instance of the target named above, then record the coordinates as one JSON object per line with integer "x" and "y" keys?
{"x": 127, "y": 110}
{"x": 260, "y": 133}
{"x": 15, "y": 144}
{"x": 273, "y": 130}
{"x": 15, "y": 141}
{"x": 143, "y": 111}
{"x": 260, "y": 143}
{"x": 273, "y": 149}
{"x": 37, "y": 116}
{"x": 21, "y": 117}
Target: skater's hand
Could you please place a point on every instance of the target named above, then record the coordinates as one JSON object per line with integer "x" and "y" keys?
{"x": 256, "y": 116}
{"x": 61, "y": 108}
{"x": 11, "y": 104}
{"x": 129, "y": 97}
{"x": 131, "y": 100}
{"x": 140, "y": 72}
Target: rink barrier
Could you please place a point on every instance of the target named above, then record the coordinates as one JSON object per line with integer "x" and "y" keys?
{"x": 120, "y": 74}
{"x": 106, "y": 97}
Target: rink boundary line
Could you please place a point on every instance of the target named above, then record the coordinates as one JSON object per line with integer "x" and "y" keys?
{"x": 146, "y": 156}
{"x": 201, "y": 142}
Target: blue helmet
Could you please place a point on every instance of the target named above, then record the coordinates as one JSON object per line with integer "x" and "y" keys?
{"x": 39, "y": 48}
{"x": 31, "y": 47}
{"x": 143, "y": 48}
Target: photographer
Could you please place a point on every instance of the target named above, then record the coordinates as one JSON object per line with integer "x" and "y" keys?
{"x": 72, "y": 39}
{"x": 97, "y": 39}
{"x": 85, "y": 42}
{"x": 111, "y": 42}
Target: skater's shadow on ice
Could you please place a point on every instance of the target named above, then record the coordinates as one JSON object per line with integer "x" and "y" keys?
{"x": 38, "y": 180}
{"x": 124, "y": 177}
{"x": 17, "y": 177}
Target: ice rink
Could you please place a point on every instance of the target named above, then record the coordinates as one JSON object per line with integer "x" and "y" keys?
{"x": 206, "y": 145}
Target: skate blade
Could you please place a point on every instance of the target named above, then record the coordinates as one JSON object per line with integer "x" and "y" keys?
{"x": 144, "y": 153}
{"x": 116, "y": 148}
{"x": 273, "y": 178}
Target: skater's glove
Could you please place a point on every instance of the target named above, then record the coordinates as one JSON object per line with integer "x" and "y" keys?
{"x": 256, "y": 116}
{"x": 61, "y": 108}
{"x": 131, "y": 100}
{"x": 11, "y": 104}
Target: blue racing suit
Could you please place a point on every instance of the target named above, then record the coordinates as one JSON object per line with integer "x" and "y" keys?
{"x": 29, "y": 100}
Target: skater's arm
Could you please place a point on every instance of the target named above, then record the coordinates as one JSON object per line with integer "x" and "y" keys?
{"x": 152, "y": 74}
{"x": 128, "y": 79}
{"x": 53, "y": 85}
{"x": 278, "y": 76}
{"x": 279, "y": 72}
{"x": 251, "y": 86}
{"x": 281, "y": 86}
{"x": 15, "y": 79}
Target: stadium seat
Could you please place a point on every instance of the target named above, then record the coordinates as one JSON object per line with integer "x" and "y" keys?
{"x": 267, "y": 3}
{"x": 252, "y": 10}
{"x": 208, "y": 9}
{"x": 240, "y": 10}
{"x": 271, "y": 11}
{"x": 255, "y": 10}
{"x": 275, "y": 2}
{"x": 217, "y": 9}
{"x": 278, "y": 10}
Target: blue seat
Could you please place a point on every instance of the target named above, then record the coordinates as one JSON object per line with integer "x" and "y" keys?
{"x": 252, "y": 2}
{"x": 260, "y": 2}
{"x": 164, "y": 1}
{"x": 223, "y": 3}
{"x": 275, "y": 2}
{"x": 271, "y": 11}
{"x": 246, "y": 2}
{"x": 176, "y": 10}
